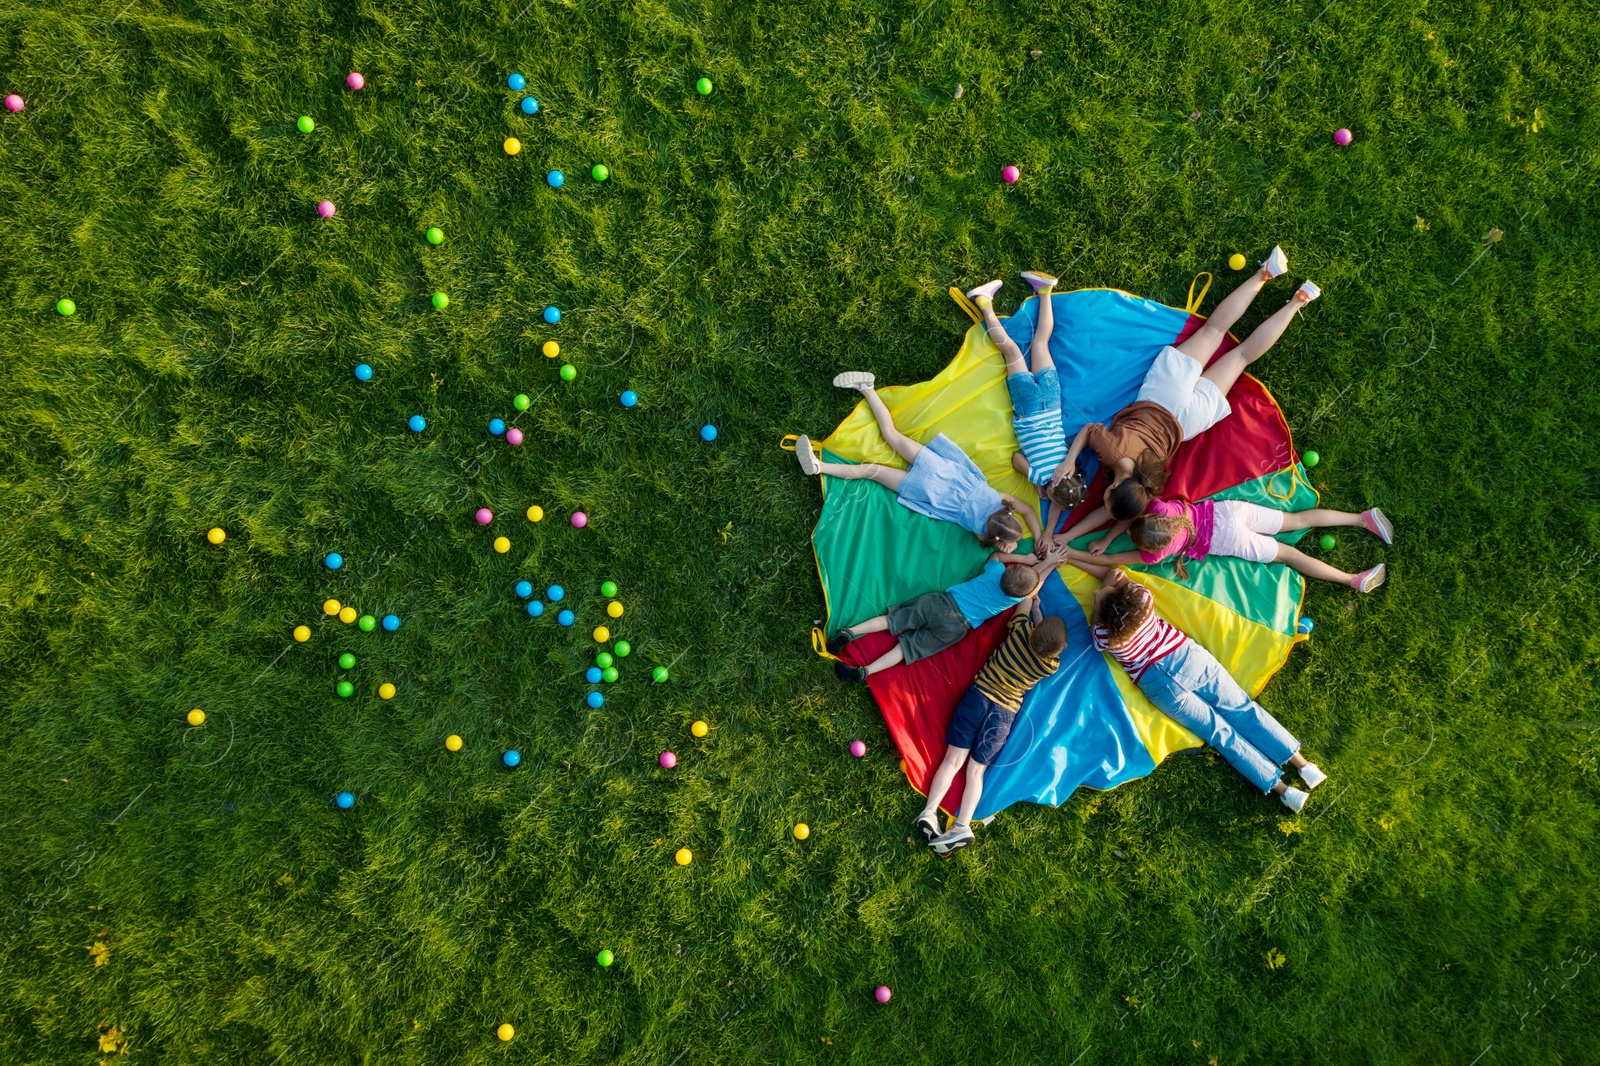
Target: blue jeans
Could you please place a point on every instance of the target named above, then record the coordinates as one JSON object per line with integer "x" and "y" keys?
{"x": 1033, "y": 394}
{"x": 1192, "y": 688}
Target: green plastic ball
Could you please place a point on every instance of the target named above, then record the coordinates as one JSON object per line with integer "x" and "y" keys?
{"x": 599, "y": 172}
{"x": 304, "y": 124}
{"x": 367, "y": 623}
{"x": 623, "y": 648}
{"x": 608, "y": 588}
{"x": 346, "y": 690}
{"x": 520, "y": 401}
{"x": 66, "y": 308}
{"x": 1327, "y": 542}
{"x": 659, "y": 673}
{"x": 435, "y": 235}
{"x": 703, "y": 86}
{"x": 603, "y": 660}
{"x": 1311, "y": 459}
{"x": 568, "y": 371}
{"x": 609, "y": 674}
{"x": 605, "y": 958}
{"x": 441, "y": 301}
{"x": 347, "y": 661}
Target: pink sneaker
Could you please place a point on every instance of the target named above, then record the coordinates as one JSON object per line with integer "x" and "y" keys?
{"x": 1368, "y": 580}
{"x": 1378, "y": 524}
{"x": 1038, "y": 280}
{"x": 984, "y": 294}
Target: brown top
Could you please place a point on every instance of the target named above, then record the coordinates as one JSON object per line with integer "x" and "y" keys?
{"x": 1139, "y": 427}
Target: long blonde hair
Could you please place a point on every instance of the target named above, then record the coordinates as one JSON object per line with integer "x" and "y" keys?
{"x": 1151, "y": 533}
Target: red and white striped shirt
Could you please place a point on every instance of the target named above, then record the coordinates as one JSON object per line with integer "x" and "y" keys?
{"x": 1155, "y": 639}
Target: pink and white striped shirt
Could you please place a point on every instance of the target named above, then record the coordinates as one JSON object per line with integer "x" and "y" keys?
{"x": 1155, "y": 639}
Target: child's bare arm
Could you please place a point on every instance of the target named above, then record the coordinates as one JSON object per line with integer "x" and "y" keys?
{"x": 1093, "y": 569}
{"x": 1070, "y": 463}
{"x": 1118, "y": 529}
{"x": 1115, "y": 559}
{"x": 1013, "y": 557}
{"x": 1087, "y": 524}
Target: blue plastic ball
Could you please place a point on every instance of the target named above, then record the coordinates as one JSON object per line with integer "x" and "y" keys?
{"x": 363, "y": 372}
{"x": 524, "y": 589}
{"x": 535, "y": 608}
{"x": 497, "y": 426}
{"x": 333, "y": 560}
{"x": 512, "y": 757}
{"x": 566, "y": 618}
{"x": 629, "y": 398}
{"x": 517, "y": 82}
{"x": 345, "y": 801}
{"x": 594, "y": 699}
{"x": 530, "y": 106}
{"x": 391, "y": 622}
{"x": 708, "y": 433}
{"x": 1306, "y": 625}
{"x": 592, "y": 675}
{"x": 556, "y": 179}
{"x": 417, "y": 423}
{"x": 555, "y": 592}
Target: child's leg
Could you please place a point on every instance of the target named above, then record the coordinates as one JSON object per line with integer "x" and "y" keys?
{"x": 1039, "y": 350}
{"x": 1317, "y": 517}
{"x": 887, "y": 476}
{"x": 875, "y": 624}
{"x": 971, "y": 794}
{"x": 943, "y": 777}
{"x": 1225, "y": 371}
{"x": 1202, "y": 345}
{"x": 1002, "y": 340}
{"x": 1310, "y": 567}
{"x": 904, "y": 446}
{"x": 893, "y": 657}
{"x": 1249, "y": 719}
{"x": 1168, "y": 683}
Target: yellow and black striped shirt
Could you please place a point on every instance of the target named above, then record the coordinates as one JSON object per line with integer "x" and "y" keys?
{"x": 1014, "y": 669}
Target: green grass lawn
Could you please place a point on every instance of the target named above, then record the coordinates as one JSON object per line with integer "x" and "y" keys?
{"x": 1435, "y": 904}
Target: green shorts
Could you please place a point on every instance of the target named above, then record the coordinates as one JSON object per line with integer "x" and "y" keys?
{"x": 927, "y": 625}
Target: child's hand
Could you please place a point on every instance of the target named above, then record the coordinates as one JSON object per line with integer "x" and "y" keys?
{"x": 1099, "y": 547}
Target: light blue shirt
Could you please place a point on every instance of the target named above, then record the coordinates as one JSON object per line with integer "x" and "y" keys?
{"x": 981, "y": 599}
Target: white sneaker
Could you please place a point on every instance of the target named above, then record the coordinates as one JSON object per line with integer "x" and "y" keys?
{"x": 1307, "y": 292}
{"x": 1275, "y": 263}
{"x": 984, "y": 292}
{"x": 807, "y": 455}
{"x": 1294, "y": 799}
{"x": 1312, "y": 776}
{"x": 855, "y": 379}
{"x": 954, "y": 839}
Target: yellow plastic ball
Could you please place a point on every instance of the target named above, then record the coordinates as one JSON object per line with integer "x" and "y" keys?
{"x": 536, "y": 513}
{"x": 700, "y": 729}
{"x": 684, "y": 857}
{"x": 302, "y": 633}
{"x": 601, "y": 634}
{"x": 505, "y": 1032}
{"x": 551, "y": 349}
{"x": 614, "y": 609}
{"x": 802, "y": 831}
{"x": 1236, "y": 261}
{"x": 386, "y": 691}
{"x": 330, "y": 607}
{"x": 216, "y": 535}
{"x": 512, "y": 146}
{"x": 452, "y": 743}
{"x": 195, "y": 717}
{"x": 502, "y": 545}
{"x": 347, "y": 615}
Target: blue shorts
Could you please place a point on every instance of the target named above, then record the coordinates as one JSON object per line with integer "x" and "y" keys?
{"x": 1034, "y": 394}
{"x": 981, "y": 725}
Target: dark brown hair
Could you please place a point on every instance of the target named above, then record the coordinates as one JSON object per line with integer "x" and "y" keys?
{"x": 1153, "y": 532}
{"x": 1019, "y": 581}
{"x": 1002, "y": 526}
{"x": 1132, "y": 495}
{"x": 1068, "y": 492}
{"x": 1049, "y": 638}
{"x": 1120, "y": 611}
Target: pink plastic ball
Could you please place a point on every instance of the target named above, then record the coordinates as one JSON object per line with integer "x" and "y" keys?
{"x": 355, "y": 80}
{"x": 668, "y": 760}
{"x": 326, "y": 209}
{"x": 1011, "y": 174}
{"x": 883, "y": 994}
{"x": 14, "y": 102}
{"x": 513, "y": 436}
{"x": 1341, "y": 136}
{"x": 484, "y": 516}
{"x": 579, "y": 519}
{"x": 857, "y": 748}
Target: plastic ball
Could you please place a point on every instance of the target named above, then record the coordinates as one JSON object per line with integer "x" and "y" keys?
{"x": 512, "y": 146}
{"x": 14, "y": 103}
{"x": 347, "y": 615}
{"x": 386, "y": 691}
{"x": 1327, "y": 541}
{"x": 556, "y": 179}
{"x": 391, "y": 622}
{"x": 629, "y": 398}
{"x": 684, "y": 857}
{"x": 603, "y": 660}
{"x": 614, "y": 609}
{"x": 659, "y": 674}
{"x": 524, "y": 589}
{"x": 1342, "y": 136}
{"x": 452, "y": 743}
{"x": 623, "y": 648}
{"x": 441, "y": 300}
{"x": 1306, "y": 626}
{"x": 700, "y": 729}
{"x": 802, "y": 831}
{"x": 568, "y": 371}
{"x": 363, "y": 372}
{"x": 368, "y": 623}
{"x": 551, "y": 349}
{"x": 435, "y": 235}
{"x": 355, "y": 81}
{"x": 520, "y": 401}
{"x": 1311, "y": 459}
{"x": 66, "y": 308}
{"x": 858, "y": 748}
{"x": 552, "y": 314}
{"x": 505, "y": 1032}
{"x": 605, "y": 958}
{"x": 882, "y": 994}
{"x": 1010, "y": 175}
{"x": 518, "y": 83}
{"x": 555, "y": 593}
{"x": 529, "y": 106}
{"x": 514, "y": 437}
{"x": 579, "y": 519}
{"x": 1236, "y": 261}
{"x": 593, "y": 675}
{"x": 599, "y": 172}
{"x": 668, "y": 760}
{"x": 601, "y": 634}
{"x": 302, "y": 634}
{"x": 708, "y": 433}
{"x": 610, "y": 674}
{"x": 216, "y": 534}
{"x": 347, "y": 661}
{"x": 536, "y": 513}
{"x": 195, "y": 717}
{"x": 502, "y": 544}
{"x": 304, "y": 124}
{"x": 703, "y": 86}
{"x": 345, "y": 690}
{"x": 484, "y": 516}
{"x": 497, "y": 426}
{"x": 566, "y": 618}
{"x": 345, "y": 801}
{"x": 417, "y": 423}
{"x": 594, "y": 699}
{"x": 512, "y": 757}
{"x": 330, "y": 607}
{"x": 333, "y": 560}
{"x": 535, "y": 608}
{"x": 326, "y": 209}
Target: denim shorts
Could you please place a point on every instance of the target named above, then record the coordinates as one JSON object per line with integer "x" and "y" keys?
{"x": 1033, "y": 394}
{"x": 981, "y": 725}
